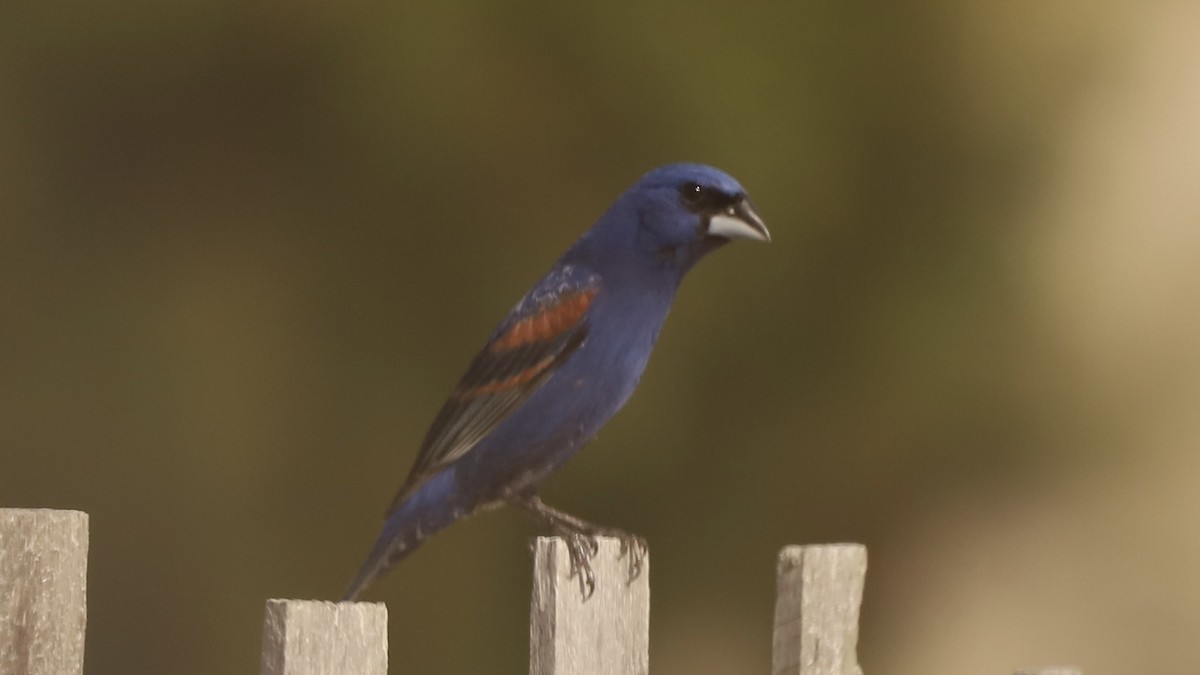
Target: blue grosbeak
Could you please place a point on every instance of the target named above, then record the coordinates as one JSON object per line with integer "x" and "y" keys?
{"x": 562, "y": 362}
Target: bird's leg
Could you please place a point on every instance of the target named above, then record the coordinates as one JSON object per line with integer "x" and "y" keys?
{"x": 580, "y": 536}
{"x": 581, "y": 545}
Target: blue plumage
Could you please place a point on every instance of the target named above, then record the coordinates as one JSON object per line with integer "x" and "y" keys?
{"x": 562, "y": 363}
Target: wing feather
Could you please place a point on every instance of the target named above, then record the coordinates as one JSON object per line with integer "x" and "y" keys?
{"x": 529, "y": 346}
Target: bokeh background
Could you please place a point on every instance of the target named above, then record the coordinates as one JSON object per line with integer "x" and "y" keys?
{"x": 247, "y": 248}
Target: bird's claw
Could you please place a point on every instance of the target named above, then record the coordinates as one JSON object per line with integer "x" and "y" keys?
{"x": 581, "y": 548}
{"x": 635, "y": 548}
{"x": 580, "y": 538}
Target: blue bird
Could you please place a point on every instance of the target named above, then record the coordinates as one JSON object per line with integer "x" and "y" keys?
{"x": 561, "y": 364}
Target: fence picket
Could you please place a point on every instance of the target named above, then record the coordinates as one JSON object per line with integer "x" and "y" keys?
{"x": 608, "y": 634}
{"x": 43, "y": 591}
{"x": 818, "y": 593}
{"x": 308, "y": 637}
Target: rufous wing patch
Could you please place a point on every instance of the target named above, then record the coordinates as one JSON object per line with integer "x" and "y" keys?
{"x": 510, "y": 382}
{"x": 548, "y": 323}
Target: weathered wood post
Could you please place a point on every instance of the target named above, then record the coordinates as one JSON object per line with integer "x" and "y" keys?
{"x": 818, "y": 593}
{"x": 608, "y": 634}
{"x": 43, "y": 591}
{"x": 307, "y": 637}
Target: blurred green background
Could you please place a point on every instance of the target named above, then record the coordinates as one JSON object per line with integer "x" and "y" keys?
{"x": 247, "y": 248}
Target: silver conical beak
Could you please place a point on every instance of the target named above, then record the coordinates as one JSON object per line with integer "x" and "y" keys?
{"x": 738, "y": 221}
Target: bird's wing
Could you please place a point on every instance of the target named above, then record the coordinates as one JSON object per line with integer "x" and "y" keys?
{"x": 536, "y": 338}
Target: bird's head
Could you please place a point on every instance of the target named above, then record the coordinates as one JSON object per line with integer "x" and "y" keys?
{"x": 670, "y": 218}
{"x": 681, "y": 203}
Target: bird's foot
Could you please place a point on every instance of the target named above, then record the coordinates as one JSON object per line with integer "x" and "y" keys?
{"x": 581, "y": 548}
{"x": 580, "y": 538}
{"x": 633, "y": 547}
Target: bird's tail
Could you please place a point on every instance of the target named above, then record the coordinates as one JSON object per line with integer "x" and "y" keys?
{"x": 402, "y": 534}
{"x": 389, "y": 549}
{"x": 370, "y": 571}
{"x": 365, "y": 576}
{"x": 426, "y": 511}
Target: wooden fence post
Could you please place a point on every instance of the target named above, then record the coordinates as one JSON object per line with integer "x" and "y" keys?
{"x": 43, "y": 591}
{"x": 818, "y": 593}
{"x": 608, "y": 634}
{"x": 307, "y": 637}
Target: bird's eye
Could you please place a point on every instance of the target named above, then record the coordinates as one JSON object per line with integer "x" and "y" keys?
{"x": 693, "y": 194}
